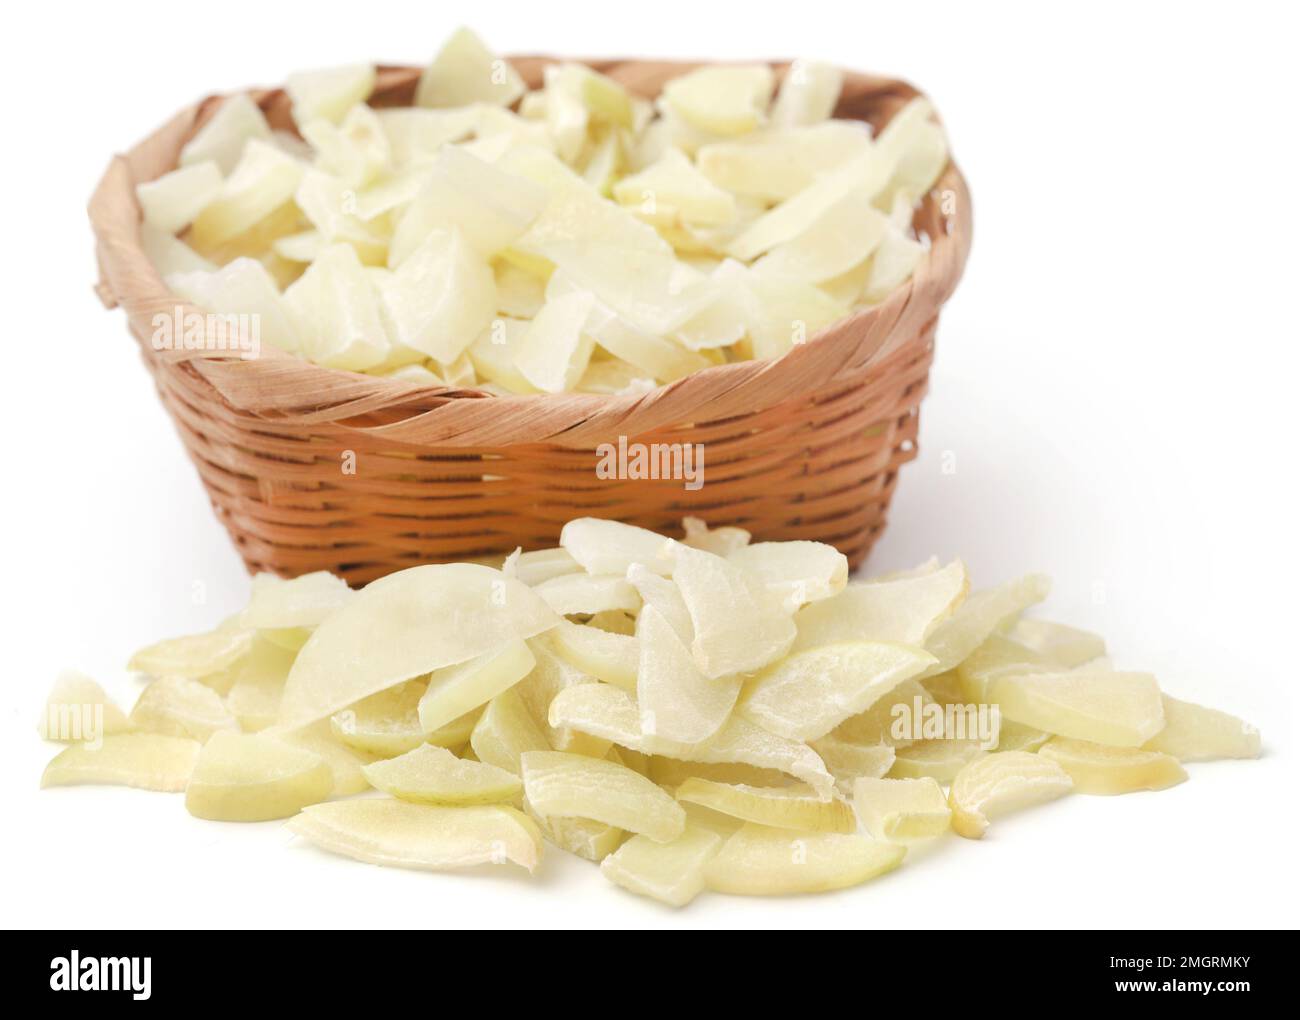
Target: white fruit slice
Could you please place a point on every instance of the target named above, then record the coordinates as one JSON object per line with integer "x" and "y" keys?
{"x": 590, "y": 840}
{"x": 808, "y": 93}
{"x": 666, "y": 598}
{"x": 999, "y": 783}
{"x": 171, "y": 255}
{"x": 222, "y": 138}
{"x": 783, "y": 807}
{"x": 454, "y": 691}
{"x": 776, "y": 164}
{"x": 302, "y": 602}
{"x": 1066, "y": 646}
{"x": 1104, "y": 706}
{"x": 397, "y": 834}
{"x": 882, "y": 722}
{"x": 671, "y": 873}
{"x": 739, "y": 625}
{"x": 673, "y": 189}
{"x": 252, "y": 778}
{"x": 329, "y": 93}
{"x": 78, "y": 709}
{"x": 848, "y": 761}
{"x": 388, "y": 723}
{"x": 540, "y": 565}
{"x": 179, "y": 707}
{"x": 505, "y": 730}
{"x": 330, "y": 204}
{"x": 195, "y": 655}
{"x": 171, "y": 201}
{"x": 344, "y": 763}
{"x": 465, "y": 72}
{"x": 1098, "y": 769}
{"x": 335, "y": 309}
{"x": 901, "y": 808}
{"x": 610, "y": 547}
{"x": 762, "y": 861}
{"x": 1012, "y": 736}
{"x": 587, "y": 594}
{"x": 573, "y": 785}
{"x": 809, "y": 693}
{"x": 388, "y": 634}
{"x": 416, "y": 136}
{"x": 258, "y": 685}
{"x": 998, "y": 655}
{"x": 719, "y": 541}
{"x": 241, "y": 287}
{"x": 356, "y": 151}
{"x": 677, "y": 702}
{"x": 493, "y": 354}
{"x": 1196, "y": 733}
{"x": 979, "y": 615}
{"x": 841, "y": 237}
{"x": 612, "y": 658}
{"x": 433, "y": 775}
{"x": 796, "y": 572}
{"x": 556, "y": 347}
{"x": 788, "y": 312}
{"x": 940, "y": 760}
{"x": 147, "y": 761}
{"x": 261, "y": 182}
{"x": 548, "y": 678}
{"x": 730, "y": 100}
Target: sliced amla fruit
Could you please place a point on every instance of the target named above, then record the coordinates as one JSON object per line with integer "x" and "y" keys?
{"x": 1196, "y": 733}
{"x": 170, "y": 255}
{"x": 356, "y": 151}
{"x": 334, "y": 307}
{"x": 783, "y": 807}
{"x": 796, "y": 572}
{"x": 809, "y": 693}
{"x": 610, "y": 547}
{"x": 672, "y": 189}
{"x": 78, "y": 710}
{"x": 587, "y": 594}
{"x": 762, "y": 861}
{"x": 180, "y": 707}
{"x": 1002, "y": 782}
{"x": 901, "y": 808}
{"x": 892, "y": 264}
{"x": 454, "y": 691}
{"x": 172, "y": 201}
{"x": 844, "y": 235}
{"x": 387, "y": 634}
{"x": 388, "y": 723}
{"x": 880, "y": 724}
{"x": 998, "y": 654}
{"x": 465, "y": 72}
{"x": 540, "y": 565}
{"x": 223, "y": 137}
{"x": 329, "y": 93}
{"x": 505, "y": 730}
{"x": 979, "y": 616}
{"x": 493, "y": 356}
{"x": 261, "y": 182}
{"x": 1066, "y": 646}
{"x": 433, "y": 775}
{"x": 329, "y": 204}
{"x": 773, "y": 165}
{"x": 945, "y": 688}
{"x": 1013, "y": 736}
{"x": 940, "y": 760}
{"x": 848, "y": 761}
{"x": 720, "y": 541}
{"x": 1105, "y": 706}
{"x": 722, "y": 100}
{"x": 147, "y": 761}
{"x": 739, "y": 625}
{"x": 519, "y": 293}
{"x": 302, "y": 602}
{"x": 195, "y": 655}
{"x": 582, "y": 837}
{"x": 808, "y": 93}
{"x": 549, "y": 677}
{"x": 1098, "y": 769}
{"x": 416, "y": 136}
{"x": 242, "y": 286}
{"x": 677, "y": 701}
{"x": 573, "y": 785}
{"x": 661, "y": 594}
{"x": 789, "y": 312}
{"x": 247, "y": 777}
{"x": 556, "y": 347}
{"x": 425, "y": 837}
{"x": 345, "y": 764}
{"x": 671, "y": 873}
{"x": 610, "y": 657}
{"x": 673, "y": 772}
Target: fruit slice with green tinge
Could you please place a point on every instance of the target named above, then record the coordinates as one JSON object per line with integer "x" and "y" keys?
{"x": 979, "y": 616}
{"x": 456, "y": 690}
{"x": 573, "y": 785}
{"x": 901, "y": 808}
{"x": 505, "y": 730}
{"x": 1098, "y": 769}
{"x": 433, "y": 775}
{"x": 388, "y": 723}
{"x": 1000, "y": 783}
{"x": 254, "y": 778}
{"x": 782, "y": 807}
{"x": 147, "y": 761}
{"x": 672, "y": 872}
{"x": 1104, "y": 706}
{"x": 762, "y": 861}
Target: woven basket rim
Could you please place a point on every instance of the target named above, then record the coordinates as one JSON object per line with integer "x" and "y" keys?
{"x": 278, "y": 384}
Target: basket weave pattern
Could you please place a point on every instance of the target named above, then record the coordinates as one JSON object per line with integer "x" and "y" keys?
{"x": 807, "y": 446}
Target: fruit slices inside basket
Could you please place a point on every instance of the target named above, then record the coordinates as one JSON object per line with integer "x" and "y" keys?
{"x": 576, "y": 237}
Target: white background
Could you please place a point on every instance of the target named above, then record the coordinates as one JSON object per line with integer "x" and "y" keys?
{"x": 1115, "y": 382}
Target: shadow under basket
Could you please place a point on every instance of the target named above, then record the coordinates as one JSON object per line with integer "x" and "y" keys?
{"x": 312, "y": 468}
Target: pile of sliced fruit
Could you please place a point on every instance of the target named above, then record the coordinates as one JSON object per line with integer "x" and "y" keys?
{"x": 576, "y": 237}
{"x": 702, "y": 713}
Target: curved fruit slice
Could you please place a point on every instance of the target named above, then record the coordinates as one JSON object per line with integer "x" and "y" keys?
{"x": 465, "y": 72}
{"x": 1002, "y": 782}
{"x": 456, "y": 690}
{"x": 761, "y": 861}
{"x": 719, "y": 541}
{"x": 901, "y": 808}
{"x": 610, "y": 547}
{"x": 796, "y": 572}
{"x": 334, "y": 307}
{"x": 222, "y": 138}
{"x": 505, "y": 730}
{"x": 677, "y": 701}
{"x": 1096, "y": 768}
{"x": 252, "y": 778}
{"x": 177, "y": 707}
{"x": 389, "y": 633}
{"x": 421, "y": 836}
{"x": 940, "y": 760}
{"x": 171, "y": 202}
{"x": 147, "y": 761}
{"x": 302, "y": 602}
{"x": 775, "y": 164}
{"x": 671, "y": 873}
{"x": 1196, "y": 733}
{"x": 1013, "y": 736}
{"x": 1063, "y": 645}
{"x": 979, "y": 616}
{"x": 329, "y": 93}
{"x": 258, "y": 685}
{"x": 587, "y": 594}
{"x": 782, "y": 807}
{"x": 808, "y": 93}
{"x": 842, "y": 237}
{"x": 388, "y": 723}
{"x": 195, "y": 655}
{"x": 433, "y": 775}
{"x": 722, "y": 100}
{"x": 809, "y": 693}
{"x": 998, "y": 655}
{"x": 877, "y": 725}
{"x": 78, "y": 709}
{"x": 848, "y": 761}
{"x": 666, "y": 598}
{"x": 582, "y": 837}
{"x": 538, "y": 565}
{"x": 612, "y": 658}
{"x": 242, "y": 286}
{"x": 263, "y": 180}
{"x": 556, "y": 347}
{"x": 573, "y": 785}
{"x": 551, "y": 676}
{"x": 672, "y": 188}
{"x": 1107, "y": 707}
{"x": 344, "y": 763}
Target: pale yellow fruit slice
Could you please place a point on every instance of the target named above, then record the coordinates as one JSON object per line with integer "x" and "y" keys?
{"x": 147, "y": 761}
{"x": 555, "y": 349}
{"x": 739, "y": 625}
{"x": 345, "y": 764}
{"x": 1108, "y": 707}
{"x": 796, "y": 572}
{"x": 672, "y": 188}
{"x": 398, "y": 834}
{"x": 788, "y": 312}
{"x": 540, "y": 565}
{"x": 505, "y": 730}
{"x": 844, "y": 235}
{"x": 385, "y": 635}
{"x": 454, "y": 691}
{"x": 720, "y": 541}
{"x": 180, "y": 707}
{"x": 493, "y": 355}
{"x": 242, "y": 287}
{"x": 253, "y": 778}
{"x": 519, "y": 293}
{"x": 172, "y": 201}
{"x": 464, "y": 72}
{"x": 329, "y": 204}
{"x": 171, "y": 255}
{"x": 1063, "y": 645}
{"x": 671, "y": 873}
{"x": 78, "y": 709}
{"x": 762, "y": 861}
{"x": 357, "y": 150}
{"x": 808, "y": 93}
{"x": 195, "y": 655}
{"x": 1098, "y": 769}
{"x": 550, "y": 677}
{"x": 223, "y": 137}
{"x": 998, "y": 655}
{"x": 612, "y": 658}
{"x": 582, "y": 837}
{"x": 945, "y": 688}
{"x": 302, "y": 602}
{"x": 329, "y": 93}
{"x": 1196, "y": 733}
{"x": 573, "y": 785}
{"x": 722, "y": 100}
{"x": 263, "y": 180}
{"x": 416, "y": 136}
{"x": 610, "y": 547}
{"x": 334, "y": 307}
{"x": 940, "y": 760}
{"x": 809, "y": 693}
{"x": 979, "y": 616}
{"x": 885, "y": 722}
{"x": 587, "y": 594}
{"x": 673, "y": 772}
{"x": 901, "y": 808}
{"x": 999, "y": 783}
{"x": 848, "y": 761}
{"x": 773, "y": 165}
{"x": 1012, "y": 736}
{"x": 433, "y": 775}
{"x": 782, "y": 807}
{"x": 677, "y": 702}
{"x": 388, "y": 723}
{"x": 661, "y": 594}
{"x": 892, "y": 265}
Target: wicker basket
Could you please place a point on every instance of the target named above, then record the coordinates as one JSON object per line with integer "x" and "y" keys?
{"x": 804, "y": 447}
